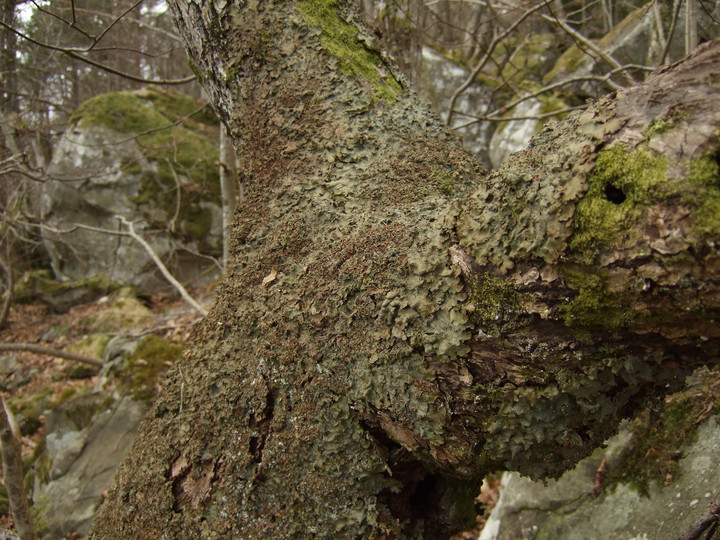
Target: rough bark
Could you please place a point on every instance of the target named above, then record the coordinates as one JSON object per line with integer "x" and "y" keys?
{"x": 396, "y": 322}
{"x": 13, "y": 476}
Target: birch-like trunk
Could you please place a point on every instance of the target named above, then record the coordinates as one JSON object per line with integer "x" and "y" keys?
{"x": 395, "y": 322}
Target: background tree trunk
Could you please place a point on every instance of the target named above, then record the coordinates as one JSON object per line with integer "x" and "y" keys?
{"x": 395, "y": 322}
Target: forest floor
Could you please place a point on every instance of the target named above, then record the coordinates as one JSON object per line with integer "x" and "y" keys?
{"x": 24, "y": 373}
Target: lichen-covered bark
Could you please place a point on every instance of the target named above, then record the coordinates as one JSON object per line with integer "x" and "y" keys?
{"x": 395, "y": 322}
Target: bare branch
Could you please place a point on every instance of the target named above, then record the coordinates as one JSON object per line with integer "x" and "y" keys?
{"x": 709, "y": 518}
{"x": 581, "y": 41}
{"x": 51, "y": 352}
{"x": 113, "y": 23}
{"x": 488, "y": 53}
{"x": 161, "y": 266}
{"x": 74, "y": 53}
{"x": 499, "y": 119}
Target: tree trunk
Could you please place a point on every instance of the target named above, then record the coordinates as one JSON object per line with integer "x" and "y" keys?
{"x": 396, "y": 323}
{"x": 8, "y": 60}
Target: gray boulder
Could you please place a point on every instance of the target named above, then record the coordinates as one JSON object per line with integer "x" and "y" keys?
{"x": 143, "y": 156}
{"x": 86, "y": 441}
{"x": 568, "y": 508}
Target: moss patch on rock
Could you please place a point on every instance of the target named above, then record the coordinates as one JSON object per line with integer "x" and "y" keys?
{"x": 660, "y": 435}
{"x": 36, "y": 284}
{"x": 180, "y": 146}
{"x": 124, "y": 311}
{"x": 28, "y": 409}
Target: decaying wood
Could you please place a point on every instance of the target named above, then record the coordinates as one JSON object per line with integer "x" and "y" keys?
{"x": 426, "y": 322}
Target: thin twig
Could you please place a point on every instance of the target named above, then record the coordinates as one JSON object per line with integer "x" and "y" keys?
{"x": 74, "y": 54}
{"x": 488, "y": 53}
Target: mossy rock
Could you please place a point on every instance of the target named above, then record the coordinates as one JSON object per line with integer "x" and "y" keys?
{"x": 147, "y": 366}
{"x": 178, "y": 138}
{"x": 661, "y": 434}
{"x": 124, "y": 311}
{"x": 28, "y": 409}
{"x": 60, "y": 295}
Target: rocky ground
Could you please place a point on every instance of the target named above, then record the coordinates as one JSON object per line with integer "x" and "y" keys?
{"x": 60, "y": 404}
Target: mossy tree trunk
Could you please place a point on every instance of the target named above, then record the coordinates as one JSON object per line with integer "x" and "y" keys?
{"x": 395, "y": 322}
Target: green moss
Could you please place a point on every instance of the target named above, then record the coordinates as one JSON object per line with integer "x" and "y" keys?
{"x": 704, "y": 175}
{"x": 660, "y": 435}
{"x": 178, "y": 106}
{"x": 93, "y": 345}
{"x": 148, "y": 364}
{"x": 123, "y": 112}
{"x": 40, "y": 283}
{"x": 340, "y": 39}
{"x": 664, "y": 124}
{"x": 443, "y": 181}
{"x": 622, "y": 184}
{"x": 492, "y": 303}
{"x": 593, "y": 306}
{"x": 28, "y": 409}
{"x": 184, "y": 155}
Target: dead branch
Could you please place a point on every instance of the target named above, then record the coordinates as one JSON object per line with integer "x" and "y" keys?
{"x": 704, "y": 522}
{"x": 161, "y": 266}
{"x": 51, "y": 352}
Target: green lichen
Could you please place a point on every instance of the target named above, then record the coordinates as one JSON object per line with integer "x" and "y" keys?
{"x": 147, "y": 365}
{"x": 340, "y": 39}
{"x": 622, "y": 184}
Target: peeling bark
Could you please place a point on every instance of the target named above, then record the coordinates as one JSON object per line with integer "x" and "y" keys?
{"x": 427, "y": 322}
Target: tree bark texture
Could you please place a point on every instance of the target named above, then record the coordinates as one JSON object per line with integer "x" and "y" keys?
{"x": 396, "y": 322}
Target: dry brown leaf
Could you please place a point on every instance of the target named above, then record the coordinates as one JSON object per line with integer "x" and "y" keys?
{"x": 269, "y": 278}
